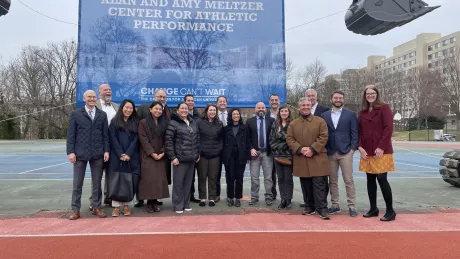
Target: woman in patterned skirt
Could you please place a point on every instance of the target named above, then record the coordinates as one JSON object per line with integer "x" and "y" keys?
{"x": 375, "y": 131}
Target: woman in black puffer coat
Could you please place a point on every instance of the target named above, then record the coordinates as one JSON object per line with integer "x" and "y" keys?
{"x": 182, "y": 144}
{"x": 211, "y": 144}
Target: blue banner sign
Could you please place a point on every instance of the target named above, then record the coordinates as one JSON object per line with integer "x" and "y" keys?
{"x": 202, "y": 47}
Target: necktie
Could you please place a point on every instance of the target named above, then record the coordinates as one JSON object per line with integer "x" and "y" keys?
{"x": 107, "y": 103}
{"x": 222, "y": 119}
{"x": 261, "y": 132}
{"x": 91, "y": 114}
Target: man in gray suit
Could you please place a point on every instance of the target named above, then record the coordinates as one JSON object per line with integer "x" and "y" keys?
{"x": 87, "y": 141}
{"x": 110, "y": 108}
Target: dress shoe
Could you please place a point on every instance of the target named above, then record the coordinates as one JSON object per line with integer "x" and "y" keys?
{"x": 230, "y": 202}
{"x": 194, "y": 200}
{"x": 90, "y": 207}
{"x": 372, "y": 213}
{"x": 155, "y": 208}
{"x": 149, "y": 208}
{"x": 253, "y": 201}
{"x": 116, "y": 212}
{"x": 268, "y": 202}
{"x": 159, "y": 203}
{"x": 75, "y": 215}
{"x": 389, "y": 216}
{"x": 282, "y": 205}
{"x": 202, "y": 203}
{"x": 99, "y": 213}
{"x": 139, "y": 204}
{"x": 288, "y": 204}
{"x": 126, "y": 211}
{"x": 212, "y": 203}
{"x": 237, "y": 203}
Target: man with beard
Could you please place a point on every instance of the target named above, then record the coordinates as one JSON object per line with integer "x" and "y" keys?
{"x": 342, "y": 127}
{"x": 307, "y": 137}
{"x": 273, "y": 112}
{"x": 259, "y": 128}
{"x": 110, "y": 108}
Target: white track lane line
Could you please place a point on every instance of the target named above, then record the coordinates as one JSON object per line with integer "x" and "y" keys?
{"x": 236, "y": 232}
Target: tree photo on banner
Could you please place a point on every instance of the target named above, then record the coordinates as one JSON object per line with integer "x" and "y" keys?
{"x": 202, "y": 47}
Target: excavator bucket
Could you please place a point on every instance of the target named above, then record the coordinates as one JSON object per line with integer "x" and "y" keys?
{"x": 373, "y": 17}
{"x": 4, "y": 6}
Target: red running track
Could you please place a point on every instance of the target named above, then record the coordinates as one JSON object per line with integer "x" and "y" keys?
{"x": 256, "y": 235}
{"x": 248, "y": 245}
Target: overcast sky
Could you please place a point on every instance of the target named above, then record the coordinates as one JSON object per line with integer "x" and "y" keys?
{"x": 327, "y": 39}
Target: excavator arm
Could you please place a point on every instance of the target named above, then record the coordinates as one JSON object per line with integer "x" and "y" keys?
{"x": 373, "y": 17}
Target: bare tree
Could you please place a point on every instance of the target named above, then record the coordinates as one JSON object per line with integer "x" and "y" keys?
{"x": 309, "y": 77}
{"x": 450, "y": 67}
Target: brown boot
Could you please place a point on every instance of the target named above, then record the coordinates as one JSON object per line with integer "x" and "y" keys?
{"x": 99, "y": 213}
{"x": 116, "y": 212}
{"x": 75, "y": 215}
{"x": 126, "y": 211}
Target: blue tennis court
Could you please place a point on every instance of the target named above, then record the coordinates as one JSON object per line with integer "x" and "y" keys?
{"x": 47, "y": 160}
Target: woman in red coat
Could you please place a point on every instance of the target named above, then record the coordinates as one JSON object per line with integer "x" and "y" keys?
{"x": 375, "y": 131}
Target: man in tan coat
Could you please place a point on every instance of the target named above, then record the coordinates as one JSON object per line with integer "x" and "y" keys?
{"x": 307, "y": 137}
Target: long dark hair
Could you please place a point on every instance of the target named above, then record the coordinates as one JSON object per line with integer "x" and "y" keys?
{"x": 229, "y": 117}
{"x": 278, "y": 121}
{"x": 131, "y": 125}
{"x": 162, "y": 122}
{"x": 205, "y": 113}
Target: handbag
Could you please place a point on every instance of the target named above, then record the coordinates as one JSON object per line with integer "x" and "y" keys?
{"x": 120, "y": 184}
{"x": 283, "y": 161}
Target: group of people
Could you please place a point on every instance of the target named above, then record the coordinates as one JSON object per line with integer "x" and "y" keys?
{"x": 137, "y": 148}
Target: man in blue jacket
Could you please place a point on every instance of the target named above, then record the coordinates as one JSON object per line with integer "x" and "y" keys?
{"x": 88, "y": 141}
{"x": 342, "y": 126}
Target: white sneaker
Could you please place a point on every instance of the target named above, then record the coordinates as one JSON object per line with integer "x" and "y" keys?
{"x": 179, "y": 211}
{"x": 188, "y": 209}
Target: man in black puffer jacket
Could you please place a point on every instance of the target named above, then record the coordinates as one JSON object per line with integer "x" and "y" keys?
{"x": 182, "y": 144}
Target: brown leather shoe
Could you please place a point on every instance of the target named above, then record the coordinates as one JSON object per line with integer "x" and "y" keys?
{"x": 116, "y": 212}
{"x": 75, "y": 215}
{"x": 126, "y": 211}
{"x": 99, "y": 213}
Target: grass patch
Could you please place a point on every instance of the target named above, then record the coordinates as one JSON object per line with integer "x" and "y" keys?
{"x": 418, "y": 135}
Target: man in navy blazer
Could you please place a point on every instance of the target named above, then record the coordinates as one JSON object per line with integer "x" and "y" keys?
{"x": 88, "y": 141}
{"x": 342, "y": 127}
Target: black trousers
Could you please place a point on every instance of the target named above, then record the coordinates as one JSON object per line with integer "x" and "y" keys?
{"x": 316, "y": 190}
{"x": 274, "y": 181}
{"x": 234, "y": 173}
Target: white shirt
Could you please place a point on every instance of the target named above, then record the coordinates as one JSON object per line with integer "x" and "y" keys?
{"x": 110, "y": 110}
{"x": 313, "y": 108}
{"x": 224, "y": 113}
{"x": 91, "y": 115}
{"x": 273, "y": 115}
{"x": 335, "y": 116}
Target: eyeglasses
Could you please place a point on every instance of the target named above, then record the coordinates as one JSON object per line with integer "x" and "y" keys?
{"x": 371, "y": 94}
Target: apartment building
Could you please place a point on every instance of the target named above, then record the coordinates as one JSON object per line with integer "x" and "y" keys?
{"x": 426, "y": 50}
